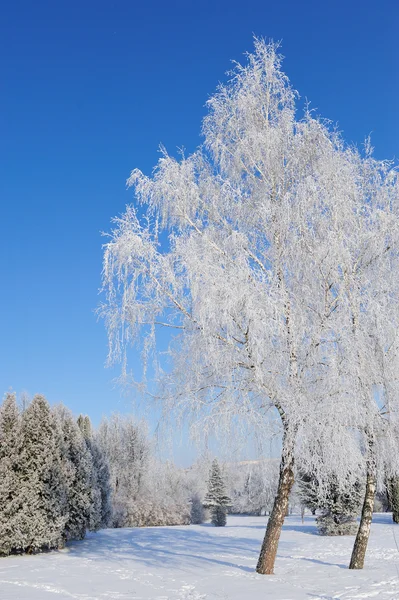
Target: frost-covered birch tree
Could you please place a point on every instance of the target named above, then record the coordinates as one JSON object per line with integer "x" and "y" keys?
{"x": 369, "y": 322}
{"x": 251, "y": 273}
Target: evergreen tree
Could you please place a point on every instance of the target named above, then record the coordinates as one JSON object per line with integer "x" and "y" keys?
{"x": 78, "y": 470}
{"x": 393, "y": 497}
{"x": 9, "y": 488}
{"x": 100, "y": 485}
{"x": 216, "y": 498}
{"x": 42, "y": 511}
{"x": 308, "y": 491}
{"x": 339, "y": 505}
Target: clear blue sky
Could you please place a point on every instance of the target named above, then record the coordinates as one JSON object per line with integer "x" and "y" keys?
{"x": 89, "y": 90}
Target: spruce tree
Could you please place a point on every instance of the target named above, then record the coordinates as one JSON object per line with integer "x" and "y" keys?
{"x": 40, "y": 520}
{"x": 308, "y": 488}
{"x": 216, "y": 498}
{"x": 393, "y": 496}
{"x": 9, "y": 488}
{"x": 78, "y": 464}
{"x": 339, "y": 505}
{"x": 100, "y": 485}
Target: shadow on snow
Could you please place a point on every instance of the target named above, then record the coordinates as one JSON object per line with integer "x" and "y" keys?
{"x": 182, "y": 547}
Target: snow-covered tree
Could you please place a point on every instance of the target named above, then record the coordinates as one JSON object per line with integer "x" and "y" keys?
{"x": 340, "y": 504}
{"x": 197, "y": 513}
{"x": 126, "y": 448}
{"x": 166, "y": 499}
{"x": 77, "y": 464}
{"x": 42, "y": 502}
{"x": 253, "y": 487}
{"x": 9, "y": 483}
{"x": 308, "y": 491}
{"x": 100, "y": 486}
{"x": 196, "y": 477}
{"x": 216, "y": 498}
{"x": 393, "y": 497}
{"x": 264, "y": 273}
{"x": 145, "y": 491}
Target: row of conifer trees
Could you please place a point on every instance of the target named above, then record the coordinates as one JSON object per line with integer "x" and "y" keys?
{"x": 54, "y": 479}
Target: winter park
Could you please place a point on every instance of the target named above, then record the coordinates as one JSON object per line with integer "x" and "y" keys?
{"x": 200, "y": 307}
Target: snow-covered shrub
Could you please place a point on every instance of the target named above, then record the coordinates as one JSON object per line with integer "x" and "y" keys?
{"x": 219, "y": 516}
{"x": 340, "y": 509}
{"x": 339, "y": 505}
{"x": 331, "y": 524}
{"x": 197, "y": 512}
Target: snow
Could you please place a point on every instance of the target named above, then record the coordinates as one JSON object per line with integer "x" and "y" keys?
{"x": 202, "y": 562}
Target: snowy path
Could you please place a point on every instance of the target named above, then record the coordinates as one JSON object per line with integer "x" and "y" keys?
{"x": 200, "y": 562}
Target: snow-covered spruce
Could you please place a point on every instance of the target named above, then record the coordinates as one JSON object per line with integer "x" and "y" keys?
{"x": 339, "y": 505}
{"x": 9, "y": 481}
{"x": 78, "y": 466}
{"x": 100, "y": 485}
{"x": 216, "y": 498}
{"x": 393, "y": 496}
{"x": 43, "y": 490}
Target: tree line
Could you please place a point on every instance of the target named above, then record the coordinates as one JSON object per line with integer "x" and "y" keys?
{"x": 60, "y": 477}
{"x": 54, "y": 481}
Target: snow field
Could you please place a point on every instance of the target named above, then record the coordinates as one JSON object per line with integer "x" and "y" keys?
{"x": 202, "y": 562}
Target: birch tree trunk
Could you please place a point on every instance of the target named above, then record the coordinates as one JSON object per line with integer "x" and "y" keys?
{"x": 363, "y": 534}
{"x": 268, "y": 551}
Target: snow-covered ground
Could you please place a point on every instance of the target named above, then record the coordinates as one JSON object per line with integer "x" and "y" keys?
{"x": 201, "y": 562}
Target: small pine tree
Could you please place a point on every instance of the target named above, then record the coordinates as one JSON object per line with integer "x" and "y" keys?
{"x": 339, "y": 505}
{"x": 308, "y": 488}
{"x": 216, "y": 498}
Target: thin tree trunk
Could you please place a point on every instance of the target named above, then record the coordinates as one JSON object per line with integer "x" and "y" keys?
{"x": 363, "y": 534}
{"x": 268, "y": 551}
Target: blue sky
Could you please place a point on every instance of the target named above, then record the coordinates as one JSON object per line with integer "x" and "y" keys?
{"x": 89, "y": 91}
